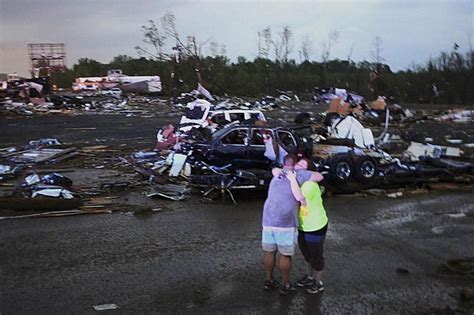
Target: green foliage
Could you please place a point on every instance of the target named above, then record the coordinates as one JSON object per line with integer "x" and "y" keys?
{"x": 86, "y": 67}
{"x": 452, "y": 73}
{"x": 63, "y": 79}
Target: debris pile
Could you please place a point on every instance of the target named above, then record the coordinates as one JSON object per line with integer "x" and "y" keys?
{"x": 45, "y": 150}
{"x": 52, "y": 185}
{"x": 221, "y": 145}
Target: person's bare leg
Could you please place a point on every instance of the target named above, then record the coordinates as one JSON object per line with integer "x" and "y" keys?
{"x": 317, "y": 275}
{"x": 309, "y": 269}
{"x": 269, "y": 264}
{"x": 285, "y": 268}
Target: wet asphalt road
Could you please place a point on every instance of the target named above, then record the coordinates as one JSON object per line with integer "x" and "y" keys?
{"x": 199, "y": 258}
{"x": 82, "y": 130}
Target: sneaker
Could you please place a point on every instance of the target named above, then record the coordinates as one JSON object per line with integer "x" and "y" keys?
{"x": 271, "y": 285}
{"x": 288, "y": 289}
{"x": 315, "y": 288}
{"x": 306, "y": 281}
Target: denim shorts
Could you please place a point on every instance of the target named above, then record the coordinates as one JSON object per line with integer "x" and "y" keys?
{"x": 282, "y": 239}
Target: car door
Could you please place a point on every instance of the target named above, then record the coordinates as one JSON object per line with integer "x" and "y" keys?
{"x": 287, "y": 141}
{"x": 256, "y": 148}
{"x": 231, "y": 147}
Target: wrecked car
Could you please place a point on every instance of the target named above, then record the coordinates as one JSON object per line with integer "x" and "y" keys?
{"x": 243, "y": 146}
{"x": 199, "y": 114}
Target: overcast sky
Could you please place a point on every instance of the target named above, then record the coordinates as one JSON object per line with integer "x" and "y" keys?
{"x": 411, "y": 30}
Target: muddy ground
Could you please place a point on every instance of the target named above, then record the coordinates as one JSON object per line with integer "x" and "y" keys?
{"x": 157, "y": 256}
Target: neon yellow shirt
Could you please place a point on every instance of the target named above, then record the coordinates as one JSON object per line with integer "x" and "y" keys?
{"x": 312, "y": 217}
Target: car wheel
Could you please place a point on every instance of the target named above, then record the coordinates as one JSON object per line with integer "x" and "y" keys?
{"x": 366, "y": 169}
{"x": 341, "y": 169}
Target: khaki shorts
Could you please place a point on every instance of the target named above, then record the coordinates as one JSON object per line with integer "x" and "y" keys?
{"x": 282, "y": 239}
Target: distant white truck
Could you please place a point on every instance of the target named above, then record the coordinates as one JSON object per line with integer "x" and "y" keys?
{"x": 116, "y": 79}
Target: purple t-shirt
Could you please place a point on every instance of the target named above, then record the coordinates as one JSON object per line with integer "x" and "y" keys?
{"x": 281, "y": 207}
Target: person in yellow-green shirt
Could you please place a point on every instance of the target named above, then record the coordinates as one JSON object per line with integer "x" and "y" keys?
{"x": 312, "y": 228}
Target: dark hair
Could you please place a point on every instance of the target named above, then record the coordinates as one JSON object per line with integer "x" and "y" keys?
{"x": 290, "y": 160}
{"x": 310, "y": 164}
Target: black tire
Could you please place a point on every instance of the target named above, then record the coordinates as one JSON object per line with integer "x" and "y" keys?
{"x": 341, "y": 169}
{"x": 365, "y": 169}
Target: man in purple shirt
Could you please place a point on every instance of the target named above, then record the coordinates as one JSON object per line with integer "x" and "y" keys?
{"x": 280, "y": 223}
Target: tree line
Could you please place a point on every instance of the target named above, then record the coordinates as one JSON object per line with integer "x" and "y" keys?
{"x": 181, "y": 63}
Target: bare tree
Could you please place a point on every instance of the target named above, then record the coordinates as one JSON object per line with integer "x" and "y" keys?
{"x": 168, "y": 22}
{"x": 349, "y": 54}
{"x": 155, "y": 37}
{"x": 188, "y": 48}
{"x": 457, "y": 62}
{"x": 306, "y": 48}
{"x": 326, "y": 46}
{"x": 264, "y": 42}
{"x": 152, "y": 36}
{"x": 377, "y": 52}
{"x": 216, "y": 49}
{"x": 223, "y": 50}
{"x": 213, "y": 48}
{"x": 259, "y": 44}
{"x": 194, "y": 48}
{"x": 443, "y": 61}
{"x": 326, "y": 53}
{"x": 283, "y": 46}
{"x": 470, "y": 54}
{"x": 286, "y": 36}
{"x": 191, "y": 46}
